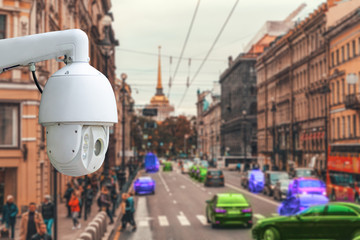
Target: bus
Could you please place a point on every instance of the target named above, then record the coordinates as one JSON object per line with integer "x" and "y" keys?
{"x": 230, "y": 162}
{"x": 343, "y": 172}
{"x": 151, "y": 163}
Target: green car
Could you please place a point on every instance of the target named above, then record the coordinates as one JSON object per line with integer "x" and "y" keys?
{"x": 194, "y": 170}
{"x": 336, "y": 220}
{"x": 167, "y": 167}
{"x": 201, "y": 174}
{"x": 229, "y": 209}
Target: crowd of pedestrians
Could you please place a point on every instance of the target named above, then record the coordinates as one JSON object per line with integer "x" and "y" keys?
{"x": 79, "y": 197}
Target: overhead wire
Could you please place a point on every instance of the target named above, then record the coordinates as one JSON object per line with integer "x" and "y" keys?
{"x": 209, "y": 52}
{"x": 184, "y": 46}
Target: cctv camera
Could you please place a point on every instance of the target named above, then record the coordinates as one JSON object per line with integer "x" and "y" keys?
{"x": 77, "y": 108}
{"x": 77, "y": 104}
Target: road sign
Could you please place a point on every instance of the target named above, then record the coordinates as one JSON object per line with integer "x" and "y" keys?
{"x": 150, "y": 112}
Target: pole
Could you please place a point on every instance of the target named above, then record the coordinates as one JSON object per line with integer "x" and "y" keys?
{"x": 244, "y": 141}
{"x": 55, "y": 203}
{"x": 326, "y": 127}
{"x": 123, "y": 127}
{"x": 106, "y": 162}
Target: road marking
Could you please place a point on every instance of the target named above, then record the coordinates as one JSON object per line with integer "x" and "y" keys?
{"x": 209, "y": 193}
{"x": 203, "y": 189}
{"x": 143, "y": 223}
{"x": 181, "y": 213}
{"x": 252, "y": 194}
{"x": 182, "y": 186}
{"x": 163, "y": 181}
{"x": 163, "y": 221}
{"x": 174, "y": 202}
{"x": 258, "y": 216}
{"x": 202, "y": 219}
{"x": 183, "y": 220}
{"x": 170, "y": 194}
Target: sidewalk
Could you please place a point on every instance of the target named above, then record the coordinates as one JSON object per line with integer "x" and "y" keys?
{"x": 65, "y": 224}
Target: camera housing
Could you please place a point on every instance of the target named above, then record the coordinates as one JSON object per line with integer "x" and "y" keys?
{"x": 77, "y": 108}
{"x": 77, "y": 105}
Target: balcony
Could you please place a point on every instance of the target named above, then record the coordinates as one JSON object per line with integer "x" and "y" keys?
{"x": 352, "y": 101}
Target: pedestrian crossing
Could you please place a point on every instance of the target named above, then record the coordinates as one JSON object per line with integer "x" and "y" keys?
{"x": 163, "y": 221}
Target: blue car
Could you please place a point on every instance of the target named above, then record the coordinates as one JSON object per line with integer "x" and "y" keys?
{"x": 297, "y": 203}
{"x": 256, "y": 181}
{"x": 144, "y": 185}
{"x": 151, "y": 163}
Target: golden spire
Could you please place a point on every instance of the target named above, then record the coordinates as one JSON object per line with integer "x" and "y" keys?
{"x": 159, "y": 84}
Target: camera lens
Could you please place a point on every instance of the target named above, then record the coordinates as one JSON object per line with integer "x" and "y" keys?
{"x": 97, "y": 147}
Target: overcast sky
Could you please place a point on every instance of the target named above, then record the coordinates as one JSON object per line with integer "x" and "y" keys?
{"x": 143, "y": 25}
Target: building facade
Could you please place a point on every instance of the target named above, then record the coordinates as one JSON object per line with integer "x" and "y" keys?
{"x": 343, "y": 38}
{"x": 291, "y": 77}
{"x": 208, "y": 125}
{"x": 238, "y": 107}
{"x": 26, "y": 172}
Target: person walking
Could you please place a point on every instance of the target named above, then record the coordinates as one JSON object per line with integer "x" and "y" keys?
{"x": 67, "y": 197}
{"x": 128, "y": 211}
{"x": 10, "y": 210}
{"x": 30, "y": 222}
{"x": 47, "y": 211}
{"x": 75, "y": 209}
{"x": 42, "y": 234}
{"x": 106, "y": 203}
{"x": 89, "y": 196}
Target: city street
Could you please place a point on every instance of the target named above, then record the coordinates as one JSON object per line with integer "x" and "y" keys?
{"x": 177, "y": 210}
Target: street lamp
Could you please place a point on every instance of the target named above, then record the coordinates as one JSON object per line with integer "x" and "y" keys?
{"x": 273, "y": 110}
{"x": 244, "y": 126}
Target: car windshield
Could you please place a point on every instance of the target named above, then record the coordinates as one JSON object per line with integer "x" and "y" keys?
{"x": 204, "y": 164}
{"x": 274, "y": 177}
{"x": 145, "y": 179}
{"x": 215, "y": 173}
{"x": 231, "y": 199}
{"x": 311, "y": 183}
{"x": 258, "y": 176}
{"x": 304, "y": 173}
{"x": 285, "y": 182}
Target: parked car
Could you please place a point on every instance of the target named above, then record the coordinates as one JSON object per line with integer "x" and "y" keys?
{"x": 307, "y": 185}
{"x": 256, "y": 181}
{"x": 167, "y": 167}
{"x": 214, "y": 177}
{"x": 335, "y": 220}
{"x": 281, "y": 189}
{"x": 144, "y": 185}
{"x": 297, "y": 203}
{"x": 229, "y": 209}
{"x": 245, "y": 179}
{"x": 271, "y": 177}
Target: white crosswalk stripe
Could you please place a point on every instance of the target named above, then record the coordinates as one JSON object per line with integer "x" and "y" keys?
{"x": 202, "y": 219}
{"x": 143, "y": 223}
{"x": 183, "y": 220}
{"x": 258, "y": 216}
{"x": 163, "y": 221}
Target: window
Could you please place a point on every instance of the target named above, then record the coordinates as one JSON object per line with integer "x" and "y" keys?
{"x": 343, "y": 90}
{"x": 9, "y": 125}
{"x": 313, "y": 211}
{"x": 338, "y": 128}
{"x": 353, "y": 48}
{"x": 338, "y": 91}
{"x": 354, "y": 125}
{"x": 337, "y": 57}
{"x": 342, "y": 54}
{"x": 333, "y": 95}
{"x": 349, "y": 126}
{"x": 332, "y": 57}
{"x": 2, "y": 26}
{"x": 343, "y": 127}
{"x": 333, "y": 129}
{"x": 348, "y": 51}
{"x": 336, "y": 210}
{"x": 359, "y": 45}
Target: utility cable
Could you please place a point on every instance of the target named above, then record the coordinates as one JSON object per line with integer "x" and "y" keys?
{"x": 185, "y": 43}
{"x": 210, "y": 50}
{"x": 32, "y": 69}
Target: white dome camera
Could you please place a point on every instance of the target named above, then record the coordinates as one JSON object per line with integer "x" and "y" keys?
{"x": 77, "y": 104}
{"x": 77, "y": 108}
